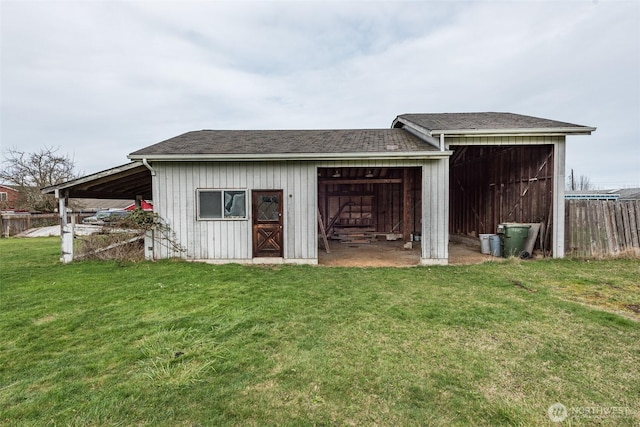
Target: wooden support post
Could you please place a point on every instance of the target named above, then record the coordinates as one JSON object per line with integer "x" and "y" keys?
{"x": 138, "y": 202}
{"x": 406, "y": 206}
{"x": 66, "y": 229}
{"x": 559, "y": 152}
{"x": 149, "y": 241}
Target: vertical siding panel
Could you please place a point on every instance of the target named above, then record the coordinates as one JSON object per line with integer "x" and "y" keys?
{"x": 298, "y": 216}
{"x": 188, "y": 209}
{"x": 176, "y": 194}
{"x": 161, "y": 206}
{"x": 245, "y": 237}
{"x": 312, "y": 192}
{"x": 176, "y": 202}
{"x": 205, "y": 231}
{"x": 302, "y": 213}
{"x": 291, "y": 210}
{"x": 180, "y": 206}
{"x": 435, "y": 203}
{"x": 235, "y": 250}
{"x": 245, "y": 226}
{"x": 427, "y": 201}
{"x": 299, "y": 203}
{"x": 196, "y": 235}
{"x": 443, "y": 199}
{"x": 228, "y": 227}
{"x": 171, "y": 204}
{"x": 174, "y": 199}
{"x": 217, "y": 182}
{"x": 242, "y": 227}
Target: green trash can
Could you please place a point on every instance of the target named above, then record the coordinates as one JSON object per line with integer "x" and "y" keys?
{"x": 514, "y": 237}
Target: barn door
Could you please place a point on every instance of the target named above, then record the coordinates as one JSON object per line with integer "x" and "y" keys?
{"x": 267, "y": 223}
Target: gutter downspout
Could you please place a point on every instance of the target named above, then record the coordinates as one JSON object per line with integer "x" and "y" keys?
{"x": 442, "y": 142}
{"x": 148, "y": 166}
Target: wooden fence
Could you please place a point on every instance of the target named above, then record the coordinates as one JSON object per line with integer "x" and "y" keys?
{"x": 12, "y": 224}
{"x": 595, "y": 228}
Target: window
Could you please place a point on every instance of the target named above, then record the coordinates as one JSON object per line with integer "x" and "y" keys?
{"x": 222, "y": 204}
{"x": 3, "y": 197}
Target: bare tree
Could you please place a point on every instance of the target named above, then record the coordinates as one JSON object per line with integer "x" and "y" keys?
{"x": 29, "y": 172}
{"x": 581, "y": 183}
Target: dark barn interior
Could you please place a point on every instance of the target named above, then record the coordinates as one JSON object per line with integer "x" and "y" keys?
{"x": 490, "y": 185}
{"x": 359, "y": 204}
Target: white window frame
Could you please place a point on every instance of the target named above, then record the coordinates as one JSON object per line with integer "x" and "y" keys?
{"x": 4, "y": 196}
{"x": 222, "y": 192}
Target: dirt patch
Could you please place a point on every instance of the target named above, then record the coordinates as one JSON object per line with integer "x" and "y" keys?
{"x": 392, "y": 254}
{"x": 633, "y": 307}
{"x": 461, "y": 254}
{"x": 45, "y": 319}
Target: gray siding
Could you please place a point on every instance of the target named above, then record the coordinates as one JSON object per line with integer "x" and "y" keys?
{"x": 504, "y": 140}
{"x": 435, "y": 212}
{"x": 175, "y": 186}
{"x": 174, "y": 195}
{"x": 559, "y": 155}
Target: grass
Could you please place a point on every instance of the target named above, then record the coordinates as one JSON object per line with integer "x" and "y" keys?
{"x": 184, "y": 344}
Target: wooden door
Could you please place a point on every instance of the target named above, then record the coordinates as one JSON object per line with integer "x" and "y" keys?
{"x": 267, "y": 223}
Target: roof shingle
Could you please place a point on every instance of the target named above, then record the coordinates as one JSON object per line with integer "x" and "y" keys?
{"x": 486, "y": 121}
{"x": 213, "y": 142}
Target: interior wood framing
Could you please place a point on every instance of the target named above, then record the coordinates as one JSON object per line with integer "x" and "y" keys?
{"x": 370, "y": 202}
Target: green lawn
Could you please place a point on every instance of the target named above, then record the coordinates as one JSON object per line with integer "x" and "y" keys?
{"x": 184, "y": 344}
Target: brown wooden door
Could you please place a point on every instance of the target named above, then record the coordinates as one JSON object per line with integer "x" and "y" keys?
{"x": 267, "y": 223}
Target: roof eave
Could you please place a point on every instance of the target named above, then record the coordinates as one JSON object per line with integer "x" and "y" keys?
{"x": 515, "y": 132}
{"x": 292, "y": 156}
{"x": 68, "y": 184}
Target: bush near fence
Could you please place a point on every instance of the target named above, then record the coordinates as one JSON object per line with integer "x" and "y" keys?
{"x": 600, "y": 228}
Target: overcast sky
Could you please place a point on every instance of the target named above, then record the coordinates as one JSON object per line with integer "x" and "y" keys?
{"x": 101, "y": 79}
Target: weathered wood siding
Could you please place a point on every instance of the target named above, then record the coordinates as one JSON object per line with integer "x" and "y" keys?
{"x": 174, "y": 187}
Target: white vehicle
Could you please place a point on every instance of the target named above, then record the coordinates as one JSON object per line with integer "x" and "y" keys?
{"x": 103, "y": 217}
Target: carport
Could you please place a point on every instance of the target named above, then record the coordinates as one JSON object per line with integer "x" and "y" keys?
{"x": 130, "y": 181}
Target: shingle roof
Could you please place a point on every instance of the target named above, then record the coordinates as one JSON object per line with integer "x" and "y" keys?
{"x": 221, "y": 142}
{"x": 488, "y": 121}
